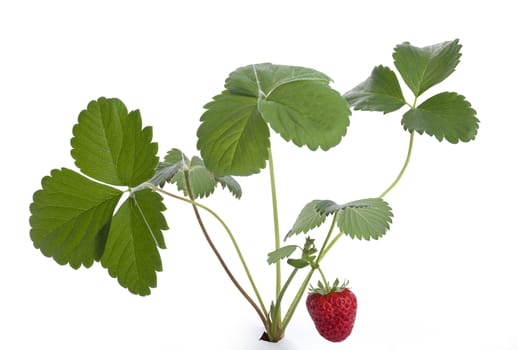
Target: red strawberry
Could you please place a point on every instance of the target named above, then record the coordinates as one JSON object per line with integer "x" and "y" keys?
{"x": 333, "y": 310}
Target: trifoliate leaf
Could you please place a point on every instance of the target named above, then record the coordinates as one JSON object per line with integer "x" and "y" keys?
{"x": 446, "y": 116}
{"x": 70, "y": 217}
{"x": 365, "y": 219}
{"x": 380, "y": 92}
{"x": 131, "y": 253}
{"x": 110, "y": 145}
{"x": 280, "y": 253}
{"x": 422, "y": 68}
{"x": 308, "y": 219}
{"x": 297, "y": 102}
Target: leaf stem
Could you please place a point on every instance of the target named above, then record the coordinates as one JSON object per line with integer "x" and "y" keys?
{"x": 405, "y": 165}
{"x": 326, "y": 283}
{"x": 276, "y": 310}
{"x": 326, "y": 250}
{"x": 275, "y": 223}
{"x": 260, "y": 311}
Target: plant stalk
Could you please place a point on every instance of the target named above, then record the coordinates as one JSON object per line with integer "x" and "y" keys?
{"x": 405, "y": 165}
{"x": 275, "y": 220}
{"x": 260, "y": 311}
{"x": 276, "y": 317}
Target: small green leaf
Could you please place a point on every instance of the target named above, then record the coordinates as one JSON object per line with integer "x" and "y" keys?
{"x": 110, "y": 145}
{"x": 298, "y": 263}
{"x": 308, "y": 219}
{"x": 422, "y": 68}
{"x": 280, "y": 253}
{"x": 175, "y": 156}
{"x": 380, "y": 92}
{"x": 365, "y": 219}
{"x": 70, "y": 217}
{"x": 232, "y": 185}
{"x": 174, "y": 161}
{"x": 131, "y": 253}
{"x": 202, "y": 181}
{"x": 446, "y": 116}
{"x": 165, "y": 172}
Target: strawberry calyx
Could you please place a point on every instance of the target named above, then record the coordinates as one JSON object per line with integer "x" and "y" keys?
{"x": 326, "y": 288}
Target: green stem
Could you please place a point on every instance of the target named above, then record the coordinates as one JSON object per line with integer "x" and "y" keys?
{"x": 276, "y": 331}
{"x": 275, "y": 227}
{"x": 326, "y": 250}
{"x": 296, "y": 300}
{"x": 276, "y": 327}
{"x": 326, "y": 283}
{"x": 324, "y": 245}
{"x": 236, "y": 247}
{"x": 400, "y": 175}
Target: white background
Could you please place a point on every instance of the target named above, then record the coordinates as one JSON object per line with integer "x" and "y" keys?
{"x": 445, "y": 275}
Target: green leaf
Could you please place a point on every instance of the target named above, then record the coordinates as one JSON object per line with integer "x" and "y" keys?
{"x": 380, "y": 92}
{"x": 446, "y": 116}
{"x": 261, "y": 79}
{"x": 326, "y": 207}
{"x": 175, "y": 156}
{"x": 232, "y": 185}
{"x": 150, "y": 205}
{"x": 174, "y": 161}
{"x": 422, "y": 68}
{"x": 308, "y": 113}
{"x": 233, "y": 139}
{"x": 70, "y": 217}
{"x": 165, "y": 173}
{"x": 131, "y": 253}
{"x": 201, "y": 180}
{"x": 280, "y": 253}
{"x": 110, "y": 145}
{"x": 298, "y": 263}
{"x": 308, "y": 219}
{"x": 364, "y": 219}
{"x": 297, "y": 102}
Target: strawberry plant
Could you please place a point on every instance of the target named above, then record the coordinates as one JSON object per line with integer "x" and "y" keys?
{"x": 112, "y": 210}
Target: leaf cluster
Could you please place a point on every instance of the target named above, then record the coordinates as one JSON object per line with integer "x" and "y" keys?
{"x": 176, "y": 168}
{"x": 308, "y": 254}
{"x": 446, "y": 115}
{"x": 74, "y": 218}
